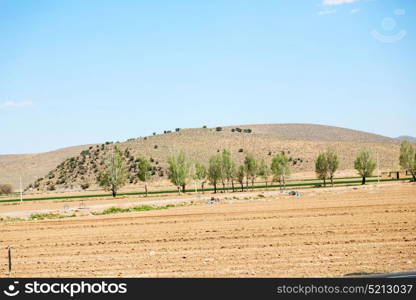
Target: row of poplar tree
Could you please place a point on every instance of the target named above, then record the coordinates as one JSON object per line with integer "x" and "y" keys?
{"x": 223, "y": 171}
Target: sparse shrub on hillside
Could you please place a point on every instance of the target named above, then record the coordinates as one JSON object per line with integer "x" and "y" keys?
{"x": 241, "y": 150}
{"x": 154, "y": 133}
{"x": 205, "y": 126}
{"x": 218, "y": 129}
{"x": 85, "y": 186}
{"x": 233, "y": 130}
{"x": 155, "y": 147}
{"x": 85, "y": 152}
{"x": 248, "y": 130}
{"x": 5, "y": 189}
{"x": 365, "y": 164}
{"x": 238, "y": 129}
{"x": 51, "y": 187}
{"x": 177, "y": 129}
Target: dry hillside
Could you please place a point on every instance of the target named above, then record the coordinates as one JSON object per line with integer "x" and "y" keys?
{"x": 32, "y": 166}
{"x": 301, "y": 143}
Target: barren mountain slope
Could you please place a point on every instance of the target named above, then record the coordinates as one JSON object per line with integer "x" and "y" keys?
{"x": 314, "y": 132}
{"x": 32, "y": 166}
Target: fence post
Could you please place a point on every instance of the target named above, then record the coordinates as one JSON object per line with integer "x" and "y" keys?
{"x": 10, "y": 259}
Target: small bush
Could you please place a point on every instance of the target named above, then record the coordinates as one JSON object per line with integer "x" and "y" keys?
{"x": 85, "y": 186}
{"x": 241, "y": 150}
{"x": 218, "y": 129}
{"x": 5, "y": 189}
{"x": 177, "y": 129}
{"x": 205, "y": 126}
{"x": 114, "y": 210}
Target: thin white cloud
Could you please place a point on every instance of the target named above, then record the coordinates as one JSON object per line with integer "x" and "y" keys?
{"x": 354, "y": 11}
{"x": 14, "y": 104}
{"x": 327, "y": 12}
{"x": 337, "y": 2}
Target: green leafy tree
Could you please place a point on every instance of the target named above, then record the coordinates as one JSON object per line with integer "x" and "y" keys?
{"x": 280, "y": 168}
{"x": 240, "y": 175}
{"x": 251, "y": 169}
{"x": 144, "y": 171}
{"x": 179, "y": 169}
{"x": 114, "y": 175}
{"x": 321, "y": 167}
{"x": 408, "y": 158}
{"x": 264, "y": 171}
{"x": 333, "y": 164}
{"x": 201, "y": 174}
{"x": 365, "y": 164}
{"x": 215, "y": 171}
{"x": 233, "y": 174}
{"x": 226, "y": 167}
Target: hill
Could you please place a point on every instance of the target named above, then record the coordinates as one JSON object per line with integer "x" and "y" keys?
{"x": 301, "y": 142}
{"x": 314, "y": 132}
{"x": 411, "y": 139}
{"x": 32, "y": 166}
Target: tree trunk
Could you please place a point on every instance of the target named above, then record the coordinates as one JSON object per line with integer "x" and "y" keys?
{"x": 215, "y": 188}
{"x": 242, "y": 186}
{"x": 114, "y": 192}
{"x": 232, "y": 184}
{"x": 183, "y": 188}
{"x": 247, "y": 183}
{"x": 223, "y": 187}
{"x": 363, "y": 182}
{"x": 324, "y": 182}
{"x": 202, "y": 186}
{"x": 414, "y": 175}
{"x": 266, "y": 184}
{"x": 332, "y": 181}
{"x": 252, "y": 183}
{"x": 145, "y": 188}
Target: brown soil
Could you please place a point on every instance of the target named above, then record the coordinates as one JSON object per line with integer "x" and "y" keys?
{"x": 328, "y": 233}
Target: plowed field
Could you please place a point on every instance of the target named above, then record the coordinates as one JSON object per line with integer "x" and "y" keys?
{"x": 320, "y": 234}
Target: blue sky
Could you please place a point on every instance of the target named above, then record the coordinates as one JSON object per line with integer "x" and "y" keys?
{"x": 78, "y": 72}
